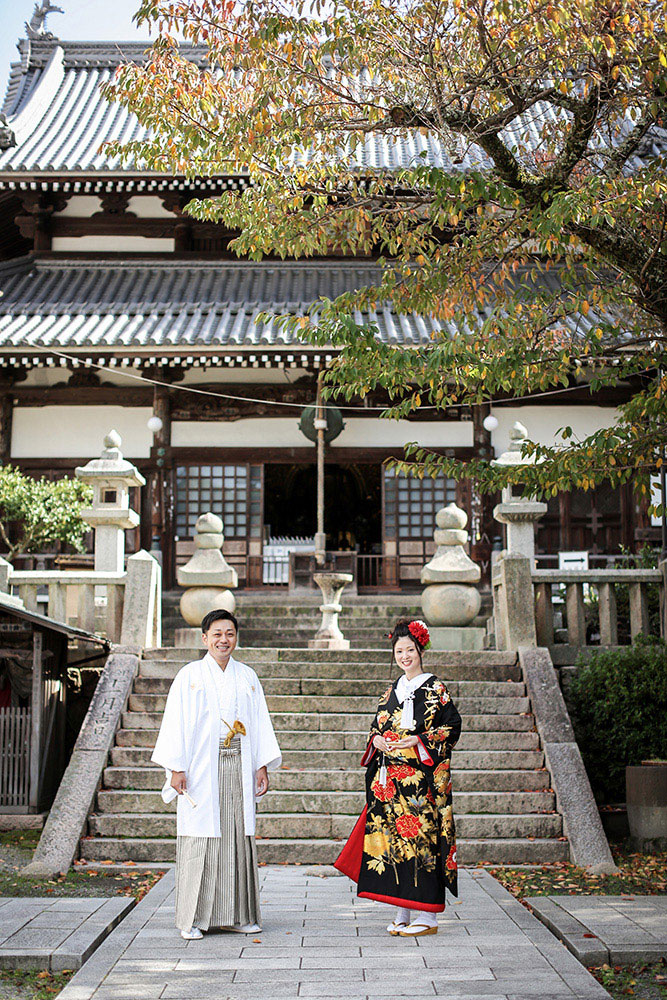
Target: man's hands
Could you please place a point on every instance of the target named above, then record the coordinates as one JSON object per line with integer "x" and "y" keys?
{"x": 178, "y": 781}
{"x": 261, "y": 781}
{"x": 380, "y": 743}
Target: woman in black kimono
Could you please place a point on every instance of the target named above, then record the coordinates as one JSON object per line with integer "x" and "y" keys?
{"x": 403, "y": 849}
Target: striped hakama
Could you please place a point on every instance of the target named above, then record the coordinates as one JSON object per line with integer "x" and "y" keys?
{"x": 216, "y": 877}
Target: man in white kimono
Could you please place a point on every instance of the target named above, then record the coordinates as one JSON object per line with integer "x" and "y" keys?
{"x": 217, "y": 744}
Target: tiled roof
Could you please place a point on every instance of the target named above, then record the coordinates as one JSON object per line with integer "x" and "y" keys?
{"x": 60, "y": 120}
{"x": 130, "y": 306}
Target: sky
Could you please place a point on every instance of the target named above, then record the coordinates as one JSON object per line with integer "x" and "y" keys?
{"x": 83, "y": 19}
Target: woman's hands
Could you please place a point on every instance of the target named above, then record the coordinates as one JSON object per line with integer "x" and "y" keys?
{"x": 407, "y": 741}
{"x": 384, "y": 746}
{"x": 178, "y": 781}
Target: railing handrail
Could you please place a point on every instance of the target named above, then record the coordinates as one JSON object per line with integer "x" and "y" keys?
{"x": 69, "y": 577}
{"x": 596, "y": 576}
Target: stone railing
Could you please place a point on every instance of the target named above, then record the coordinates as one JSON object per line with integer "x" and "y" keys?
{"x": 123, "y": 607}
{"x": 525, "y": 608}
{"x": 89, "y": 600}
{"x": 605, "y": 583}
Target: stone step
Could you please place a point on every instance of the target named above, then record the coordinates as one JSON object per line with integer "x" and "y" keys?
{"x": 346, "y": 759}
{"x": 343, "y": 803}
{"x": 450, "y": 672}
{"x": 299, "y": 739}
{"x": 353, "y": 722}
{"x": 432, "y": 658}
{"x": 344, "y": 687}
{"x": 500, "y": 851}
{"x": 142, "y": 776}
{"x": 308, "y": 825}
{"x": 154, "y": 703}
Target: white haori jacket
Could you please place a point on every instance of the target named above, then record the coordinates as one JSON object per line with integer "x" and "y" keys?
{"x": 189, "y": 740}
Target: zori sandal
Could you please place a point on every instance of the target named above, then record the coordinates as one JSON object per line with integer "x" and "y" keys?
{"x": 395, "y": 928}
{"x": 416, "y": 929}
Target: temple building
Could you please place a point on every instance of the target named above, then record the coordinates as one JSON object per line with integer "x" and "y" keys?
{"x": 115, "y": 305}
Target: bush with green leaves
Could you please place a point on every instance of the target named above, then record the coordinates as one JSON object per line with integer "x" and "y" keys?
{"x": 619, "y": 711}
{"x": 36, "y": 513}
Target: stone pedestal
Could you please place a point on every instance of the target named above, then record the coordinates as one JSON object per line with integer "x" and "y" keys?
{"x": 111, "y": 477}
{"x": 329, "y": 635}
{"x": 454, "y": 637}
{"x": 207, "y": 575}
{"x": 451, "y": 600}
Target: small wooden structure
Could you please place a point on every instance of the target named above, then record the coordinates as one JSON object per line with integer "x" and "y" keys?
{"x": 33, "y": 675}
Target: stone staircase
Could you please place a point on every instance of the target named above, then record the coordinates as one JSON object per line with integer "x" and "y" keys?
{"x": 274, "y": 620}
{"x": 322, "y": 703}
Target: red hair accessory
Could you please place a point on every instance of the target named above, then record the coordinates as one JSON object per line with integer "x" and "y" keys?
{"x": 419, "y": 631}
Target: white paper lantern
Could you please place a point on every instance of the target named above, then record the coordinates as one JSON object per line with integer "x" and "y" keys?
{"x": 490, "y": 422}
{"x": 154, "y": 424}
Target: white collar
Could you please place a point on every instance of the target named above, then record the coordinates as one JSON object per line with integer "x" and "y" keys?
{"x": 405, "y": 687}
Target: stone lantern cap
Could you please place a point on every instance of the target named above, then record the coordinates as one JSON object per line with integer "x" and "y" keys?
{"x": 514, "y": 454}
{"x": 207, "y": 566}
{"x": 450, "y": 563}
{"x": 111, "y": 476}
{"x": 110, "y": 466}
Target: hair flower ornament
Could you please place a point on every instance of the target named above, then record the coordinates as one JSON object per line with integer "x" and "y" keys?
{"x": 419, "y": 631}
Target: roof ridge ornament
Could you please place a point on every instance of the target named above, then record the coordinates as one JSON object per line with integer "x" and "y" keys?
{"x": 36, "y": 26}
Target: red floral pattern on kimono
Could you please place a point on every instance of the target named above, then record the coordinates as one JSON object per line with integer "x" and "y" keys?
{"x": 409, "y": 844}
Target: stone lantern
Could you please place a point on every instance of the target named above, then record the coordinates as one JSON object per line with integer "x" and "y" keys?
{"x": 208, "y": 578}
{"x": 451, "y": 600}
{"x": 520, "y": 514}
{"x": 111, "y": 477}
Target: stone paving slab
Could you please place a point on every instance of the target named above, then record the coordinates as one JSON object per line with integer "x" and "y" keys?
{"x": 620, "y": 930}
{"x": 46, "y": 933}
{"x": 320, "y": 940}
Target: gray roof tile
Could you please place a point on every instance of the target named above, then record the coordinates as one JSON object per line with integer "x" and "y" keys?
{"x": 75, "y": 304}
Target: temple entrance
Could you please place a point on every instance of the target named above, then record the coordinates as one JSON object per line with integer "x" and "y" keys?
{"x": 352, "y": 504}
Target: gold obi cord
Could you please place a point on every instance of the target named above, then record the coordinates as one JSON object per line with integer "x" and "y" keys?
{"x": 238, "y": 729}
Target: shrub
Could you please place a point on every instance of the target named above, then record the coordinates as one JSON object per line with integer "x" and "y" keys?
{"x": 619, "y": 712}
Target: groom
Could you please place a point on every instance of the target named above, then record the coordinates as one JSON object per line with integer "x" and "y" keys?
{"x": 217, "y": 744}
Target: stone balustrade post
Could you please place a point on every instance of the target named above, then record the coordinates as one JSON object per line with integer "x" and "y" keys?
{"x": 513, "y": 602}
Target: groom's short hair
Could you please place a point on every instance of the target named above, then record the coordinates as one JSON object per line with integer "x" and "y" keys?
{"x": 221, "y": 615}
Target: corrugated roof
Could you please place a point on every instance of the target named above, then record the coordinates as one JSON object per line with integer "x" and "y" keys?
{"x": 60, "y": 120}
{"x": 82, "y": 304}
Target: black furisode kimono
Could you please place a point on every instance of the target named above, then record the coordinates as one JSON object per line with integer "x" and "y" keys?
{"x": 403, "y": 849}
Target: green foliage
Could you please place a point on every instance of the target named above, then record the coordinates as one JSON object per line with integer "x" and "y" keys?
{"x": 35, "y": 513}
{"x": 619, "y": 711}
{"x": 536, "y": 251}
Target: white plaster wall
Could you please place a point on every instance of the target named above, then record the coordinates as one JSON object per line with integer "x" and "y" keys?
{"x": 111, "y": 244}
{"x": 283, "y": 432}
{"x": 81, "y": 206}
{"x": 543, "y": 422}
{"x": 148, "y": 207}
{"x": 78, "y": 431}
{"x": 360, "y": 432}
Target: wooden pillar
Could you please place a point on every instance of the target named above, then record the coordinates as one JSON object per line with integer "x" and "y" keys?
{"x": 160, "y": 482}
{"x": 482, "y": 524}
{"x": 565, "y": 526}
{"x": 6, "y": 418}
{"x": 36, "y": 719}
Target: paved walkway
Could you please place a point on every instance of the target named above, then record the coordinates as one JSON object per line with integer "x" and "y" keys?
{"x": 615, "y": 929}
{"x": 319, "y": 940}
{"x": 45, "y": 933}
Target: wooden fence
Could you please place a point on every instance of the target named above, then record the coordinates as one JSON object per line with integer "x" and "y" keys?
{"x": 15, "y": 726}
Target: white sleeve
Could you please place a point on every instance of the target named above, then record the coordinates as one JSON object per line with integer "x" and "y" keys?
{"x": 268, "y": 751}
{"x": 171, "y": 745}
